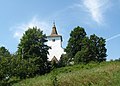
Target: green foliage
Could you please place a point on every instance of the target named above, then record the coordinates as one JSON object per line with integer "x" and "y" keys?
{"x": 89, "y": 49}
{"x": 75, "y": 41}
{"x": 63, "y": 60}
{"x": 30, "y": 59}
{"x": 92, "y": 74}
{"x": 24, "y": 68}
{"x": 4, "y": 52}
{"x": 32, "y": 46}
{"x": 82, "y": 49}
{"x": 117, "y": 59}
{"x": 54, "y": 64}
{"x": 54, "y": 78}
{"x": 93, "y": 49}
{"x": 81, "y": 57}
{"x": 87, "y": 53}
{"x": 5, "y": 66}
{"x": 3, "y": 71}
{"x": 99, "y": 51}
{"x": 54, "y": 81}
{"x": 15, "y": 67}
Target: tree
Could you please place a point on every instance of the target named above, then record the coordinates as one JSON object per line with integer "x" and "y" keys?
{"x": 63, "y": 60}
{"x": 80, "y": 57}
{"x": 5, "y": 66}
{"x": 100, "y": 50}
{"x": 3, "y": 71}
{"x": 32, "y": 45}
{"x": 4, "y": 52}
{"x": 93, "y": 49}
{"x": 75, "y": 41}
{"x": 6, "y": 70}
{"x": 23, "y": 68}
{"x": 84, "y": 56}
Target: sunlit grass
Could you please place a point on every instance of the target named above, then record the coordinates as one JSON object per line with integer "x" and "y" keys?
{"x": 93, "y": 74}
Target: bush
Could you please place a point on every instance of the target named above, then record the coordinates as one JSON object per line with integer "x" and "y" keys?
{"x": 5, "y": 70}
{"x": 63, "y": 60}
{"x": 24, "y": 68}
{"x": 80, "y": 57}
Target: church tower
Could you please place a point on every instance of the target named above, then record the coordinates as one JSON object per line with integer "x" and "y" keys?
{"x": 55, "y": 42}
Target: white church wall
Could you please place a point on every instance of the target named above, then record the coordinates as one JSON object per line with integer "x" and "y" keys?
{"x": 56, "y": 47}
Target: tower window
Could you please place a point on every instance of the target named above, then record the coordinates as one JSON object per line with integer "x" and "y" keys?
{"x": 53, "y": 40}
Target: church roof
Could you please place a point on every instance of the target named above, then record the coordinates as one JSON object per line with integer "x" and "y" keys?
{"x": 54, "y": 59}
{"x": 54, "y": 31}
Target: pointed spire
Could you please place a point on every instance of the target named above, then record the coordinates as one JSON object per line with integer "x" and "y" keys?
{"x": 54, "y": 30}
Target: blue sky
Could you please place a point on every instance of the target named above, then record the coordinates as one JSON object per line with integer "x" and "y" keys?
{"x": 100, "y": 17}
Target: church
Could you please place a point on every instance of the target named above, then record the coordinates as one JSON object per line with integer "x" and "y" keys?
{"x": 55, "y": 42}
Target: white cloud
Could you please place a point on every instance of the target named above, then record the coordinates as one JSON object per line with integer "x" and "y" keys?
{"x": 113, "y": 37}
{"x": 96, "y": 8}
{"x": 19, "y": 29}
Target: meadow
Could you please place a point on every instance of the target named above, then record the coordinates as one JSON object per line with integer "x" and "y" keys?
{"x": 92, "y": 74}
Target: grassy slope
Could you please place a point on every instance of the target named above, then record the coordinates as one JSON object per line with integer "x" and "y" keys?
{"x": 104, "y": 74}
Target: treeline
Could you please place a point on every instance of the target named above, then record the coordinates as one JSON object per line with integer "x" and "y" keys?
{"x": 83, "y": 49}
{"x": 29, "y": 60}
{"x": 31, "y": 57}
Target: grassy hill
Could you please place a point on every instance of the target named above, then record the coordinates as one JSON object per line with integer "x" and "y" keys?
{"x": 93, "y": 74}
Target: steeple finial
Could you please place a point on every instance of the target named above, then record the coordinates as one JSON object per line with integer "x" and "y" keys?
{"x": 54, "y": 24}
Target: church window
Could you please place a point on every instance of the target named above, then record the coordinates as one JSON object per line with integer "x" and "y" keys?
{"x": 53, "y": 40}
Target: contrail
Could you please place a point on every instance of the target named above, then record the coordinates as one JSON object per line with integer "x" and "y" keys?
{"x": 113, "y": 37}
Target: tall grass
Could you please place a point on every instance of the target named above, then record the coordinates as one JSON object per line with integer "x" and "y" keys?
{"x": 93, "y": 74}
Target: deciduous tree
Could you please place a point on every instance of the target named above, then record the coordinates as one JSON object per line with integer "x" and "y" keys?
{"x": 75, "y": 41}
{"x": 32, "y": 45}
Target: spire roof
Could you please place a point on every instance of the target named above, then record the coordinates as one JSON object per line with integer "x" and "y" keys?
{"x": 54, "y": 30}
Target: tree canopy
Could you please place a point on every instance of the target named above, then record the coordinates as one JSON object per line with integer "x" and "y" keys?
{"x": 83, "y": 49}
{"x": 4, "y": 52}
{"x": 32, "y": 46}
{"x": 31, "y": 57}
{"x": 75, "y": 41}
{"x": 99, "y": 47}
